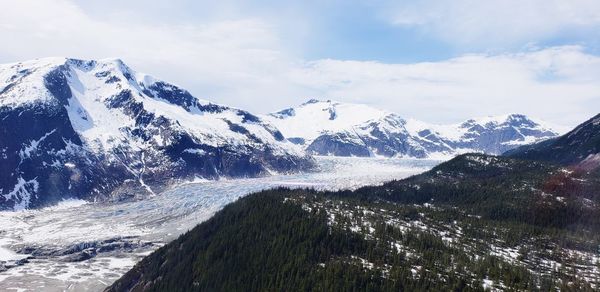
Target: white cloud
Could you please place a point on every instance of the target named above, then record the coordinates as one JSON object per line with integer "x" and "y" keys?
{"x": 499, "y": 22}
{"x": 556, "y": 84}
{"x": 228, "y": 60}
{"x": 243, "y": 62}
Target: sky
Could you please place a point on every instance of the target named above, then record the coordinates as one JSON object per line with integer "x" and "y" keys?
{"x": 438, "y": 61}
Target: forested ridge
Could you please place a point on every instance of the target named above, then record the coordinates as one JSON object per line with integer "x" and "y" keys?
{"x": 476, "y": 222}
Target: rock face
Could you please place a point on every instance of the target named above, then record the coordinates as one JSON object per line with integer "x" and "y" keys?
{"x": 260, "y": 242}
{"x": 342, "y": 129}
{"x": 85, "y": 250}
{"x": 386, "y": 136}
{"x": 582, "y": 144}
{"x": 97, "y": 129}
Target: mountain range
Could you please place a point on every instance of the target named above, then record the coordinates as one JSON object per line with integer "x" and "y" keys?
{"x": 98, "y": 129}
{"x": 580, "y": 145}
{"x": 526, "y": 221}
{"x": 521, "y": 214}
{"x": 345, "y": 129}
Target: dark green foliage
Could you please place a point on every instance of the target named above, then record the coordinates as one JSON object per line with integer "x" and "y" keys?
{"x": 500, "y": 188}
{"x": 352, "y": 240}
{"x": 261, "y": 243}
{"x": 256, "y": 244}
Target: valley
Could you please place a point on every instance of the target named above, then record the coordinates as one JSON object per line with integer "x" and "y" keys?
{"x": 359, "y": 146}
{"x": 474, "y": 223}
{"x": 80, "y": 245}
{"x": 107, "y": 173}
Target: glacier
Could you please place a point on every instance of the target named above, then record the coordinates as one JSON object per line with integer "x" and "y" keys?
{"x": 78, "y": 245}
{"x": 99, "y": 130}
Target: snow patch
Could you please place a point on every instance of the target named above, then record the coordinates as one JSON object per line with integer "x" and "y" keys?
{"x": 32, "y": 146}
{"x": 22, "y": 192}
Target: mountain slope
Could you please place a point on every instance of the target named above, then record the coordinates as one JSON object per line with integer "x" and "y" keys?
{"x": 491, "y": 135}
{"x": 387, "y": 136}
{"x": 227, "y": 253}
{"x": 88, "y": 129}
{"x": 342, "y": 129}
{"x": 475, "y": 222}
{"x": 307, "y": 121}
{"x": 582, "y": 143}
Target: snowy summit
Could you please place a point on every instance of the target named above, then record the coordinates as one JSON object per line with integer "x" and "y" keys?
{"x": 91, "y": 129}
{"x": 346, "y": 129}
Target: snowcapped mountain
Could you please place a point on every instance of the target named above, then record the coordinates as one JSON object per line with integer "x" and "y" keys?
{"x": 579, "y": 146}
{"x": 85, "y": 129}
{"x": 312, "y": 118}
{"x": 343, "y": 129}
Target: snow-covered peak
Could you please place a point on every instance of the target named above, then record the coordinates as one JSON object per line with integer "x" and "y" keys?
{"x": 315, "y": 117}
{"x": 106, "y": 98}
{"x": 333, "y": 126}
{"x": 499, "y": 120}
{"x": 475, "y": 126}
{"x": 23, "y": 82}
{"x": 114, "y": 126}
{"x": 578, "y": 146}
{"x": 390, "y": 123}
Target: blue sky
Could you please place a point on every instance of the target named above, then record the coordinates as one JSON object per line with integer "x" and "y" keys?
{"x": 357, "y": 30}
{"x": 369, "y": 30}
{"x": 439, "y": 61}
